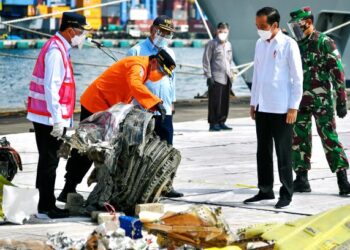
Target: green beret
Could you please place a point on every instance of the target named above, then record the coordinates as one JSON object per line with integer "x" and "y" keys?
{"x": 301, "y": 13}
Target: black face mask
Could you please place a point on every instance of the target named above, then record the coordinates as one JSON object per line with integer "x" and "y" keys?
{"x": 304, "y": 27}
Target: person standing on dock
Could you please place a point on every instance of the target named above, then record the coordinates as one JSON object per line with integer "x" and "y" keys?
{"x": 51, "y": 103}
{"x": 120, "y": 83}
{"x": 161, "y": 32}
{"x": 323, "y": 70}
{"x": 217, "y": 65}
{"x": 275, "y": 98}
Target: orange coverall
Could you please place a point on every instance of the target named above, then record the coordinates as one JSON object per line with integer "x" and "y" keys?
{"x": 121, "y": 82}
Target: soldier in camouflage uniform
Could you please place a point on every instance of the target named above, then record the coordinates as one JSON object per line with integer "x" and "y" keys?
{"x": 322, "y": 69}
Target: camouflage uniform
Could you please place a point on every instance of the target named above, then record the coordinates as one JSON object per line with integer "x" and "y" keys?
{"x": 322, "y": 69}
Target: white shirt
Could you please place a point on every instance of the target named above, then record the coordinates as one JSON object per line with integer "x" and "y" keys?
{"x": 278, "y": 75}
{"x": 54, "y": 76}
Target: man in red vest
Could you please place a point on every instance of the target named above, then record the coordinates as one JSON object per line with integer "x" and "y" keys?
{"x": 51, "y": 104}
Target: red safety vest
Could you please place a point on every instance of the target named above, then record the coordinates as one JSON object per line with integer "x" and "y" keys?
{"x": 36, "y": 99}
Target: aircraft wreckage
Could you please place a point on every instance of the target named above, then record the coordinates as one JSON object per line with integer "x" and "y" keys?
{"x": 132, "y": 165}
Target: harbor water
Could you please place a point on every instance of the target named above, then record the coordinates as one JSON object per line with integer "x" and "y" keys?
{"x": 15, "y": 74}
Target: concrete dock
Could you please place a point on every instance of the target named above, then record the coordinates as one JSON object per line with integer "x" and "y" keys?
{"x": 217, "y": 168}
{"x": 13, "y": 121}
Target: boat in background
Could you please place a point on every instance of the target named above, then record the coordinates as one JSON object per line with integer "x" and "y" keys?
{"x": 240, "y": 14}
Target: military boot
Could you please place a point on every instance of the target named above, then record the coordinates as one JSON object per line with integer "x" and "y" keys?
{"x": 301, "y": 183}
{"x": 343, "y": 183}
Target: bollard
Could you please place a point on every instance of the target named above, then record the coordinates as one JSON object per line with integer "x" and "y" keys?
{"x": 22, "y": 45}
{"x": 39, "y": 44}
{"x": 124, "y": 44}
{"x": 178, "y": 44}
{"x": 107, "y": 43}
{"x": 196, "y": 44}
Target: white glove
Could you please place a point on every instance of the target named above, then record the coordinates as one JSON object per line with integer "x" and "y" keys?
{"x": 57, "y": 130}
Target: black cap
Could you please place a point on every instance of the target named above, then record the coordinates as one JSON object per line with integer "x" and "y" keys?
{"x": 74, "y": 20}
{"x": 166, "y": 62}
{"x": 164, "y": 22}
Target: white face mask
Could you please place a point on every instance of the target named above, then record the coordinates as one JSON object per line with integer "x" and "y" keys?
{"x": 78, "y": 41}
{"x": 223, "y": 36}
{"x": 265, "y": 34}
{"x": 160, "y": 42}
{"x": 161, "y": 38}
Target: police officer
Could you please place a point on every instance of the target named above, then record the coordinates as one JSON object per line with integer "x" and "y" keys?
{"x": 161, "y": 32}
{"x": 323, "y": 69}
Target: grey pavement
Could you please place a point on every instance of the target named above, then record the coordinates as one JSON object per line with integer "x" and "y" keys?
{"x": 217, "y": 168}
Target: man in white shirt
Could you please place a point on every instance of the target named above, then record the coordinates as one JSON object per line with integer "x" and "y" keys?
{"x": 51, "y": 103}
{"x": 275, "y": 98}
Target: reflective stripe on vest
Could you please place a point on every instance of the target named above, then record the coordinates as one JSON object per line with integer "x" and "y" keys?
{"x": 36, "y": 99}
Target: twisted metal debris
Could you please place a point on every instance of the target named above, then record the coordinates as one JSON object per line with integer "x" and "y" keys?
{"x": 200, "y": 226}
{"x": 132, "y": 165}
{"x": 10, "y": 160}
{"x": 61, "y": 241}
{"x": 102, "y": 239}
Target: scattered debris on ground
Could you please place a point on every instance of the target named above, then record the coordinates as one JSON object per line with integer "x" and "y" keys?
{"x": 327, "y": 230}
{"x": 199, "y": 226}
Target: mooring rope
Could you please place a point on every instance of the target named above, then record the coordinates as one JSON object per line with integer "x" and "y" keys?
{"x": 180, "y": 65}
{"x": 86, "y": 64}
{"x": 29, "y": 30}
{"x": 9, "y": 23}
{"x": 245, "y": 66}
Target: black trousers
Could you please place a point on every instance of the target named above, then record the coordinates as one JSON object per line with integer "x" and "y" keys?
{"x": 164, "y": 129}
{"x": 218, "y": 102}
{"x": 273, "y": 127}
{"x": 78, "y": 165}
{"x": 48, "y": 162}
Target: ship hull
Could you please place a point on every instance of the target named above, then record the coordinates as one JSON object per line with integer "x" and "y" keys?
{"x": 240, "y": 14}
